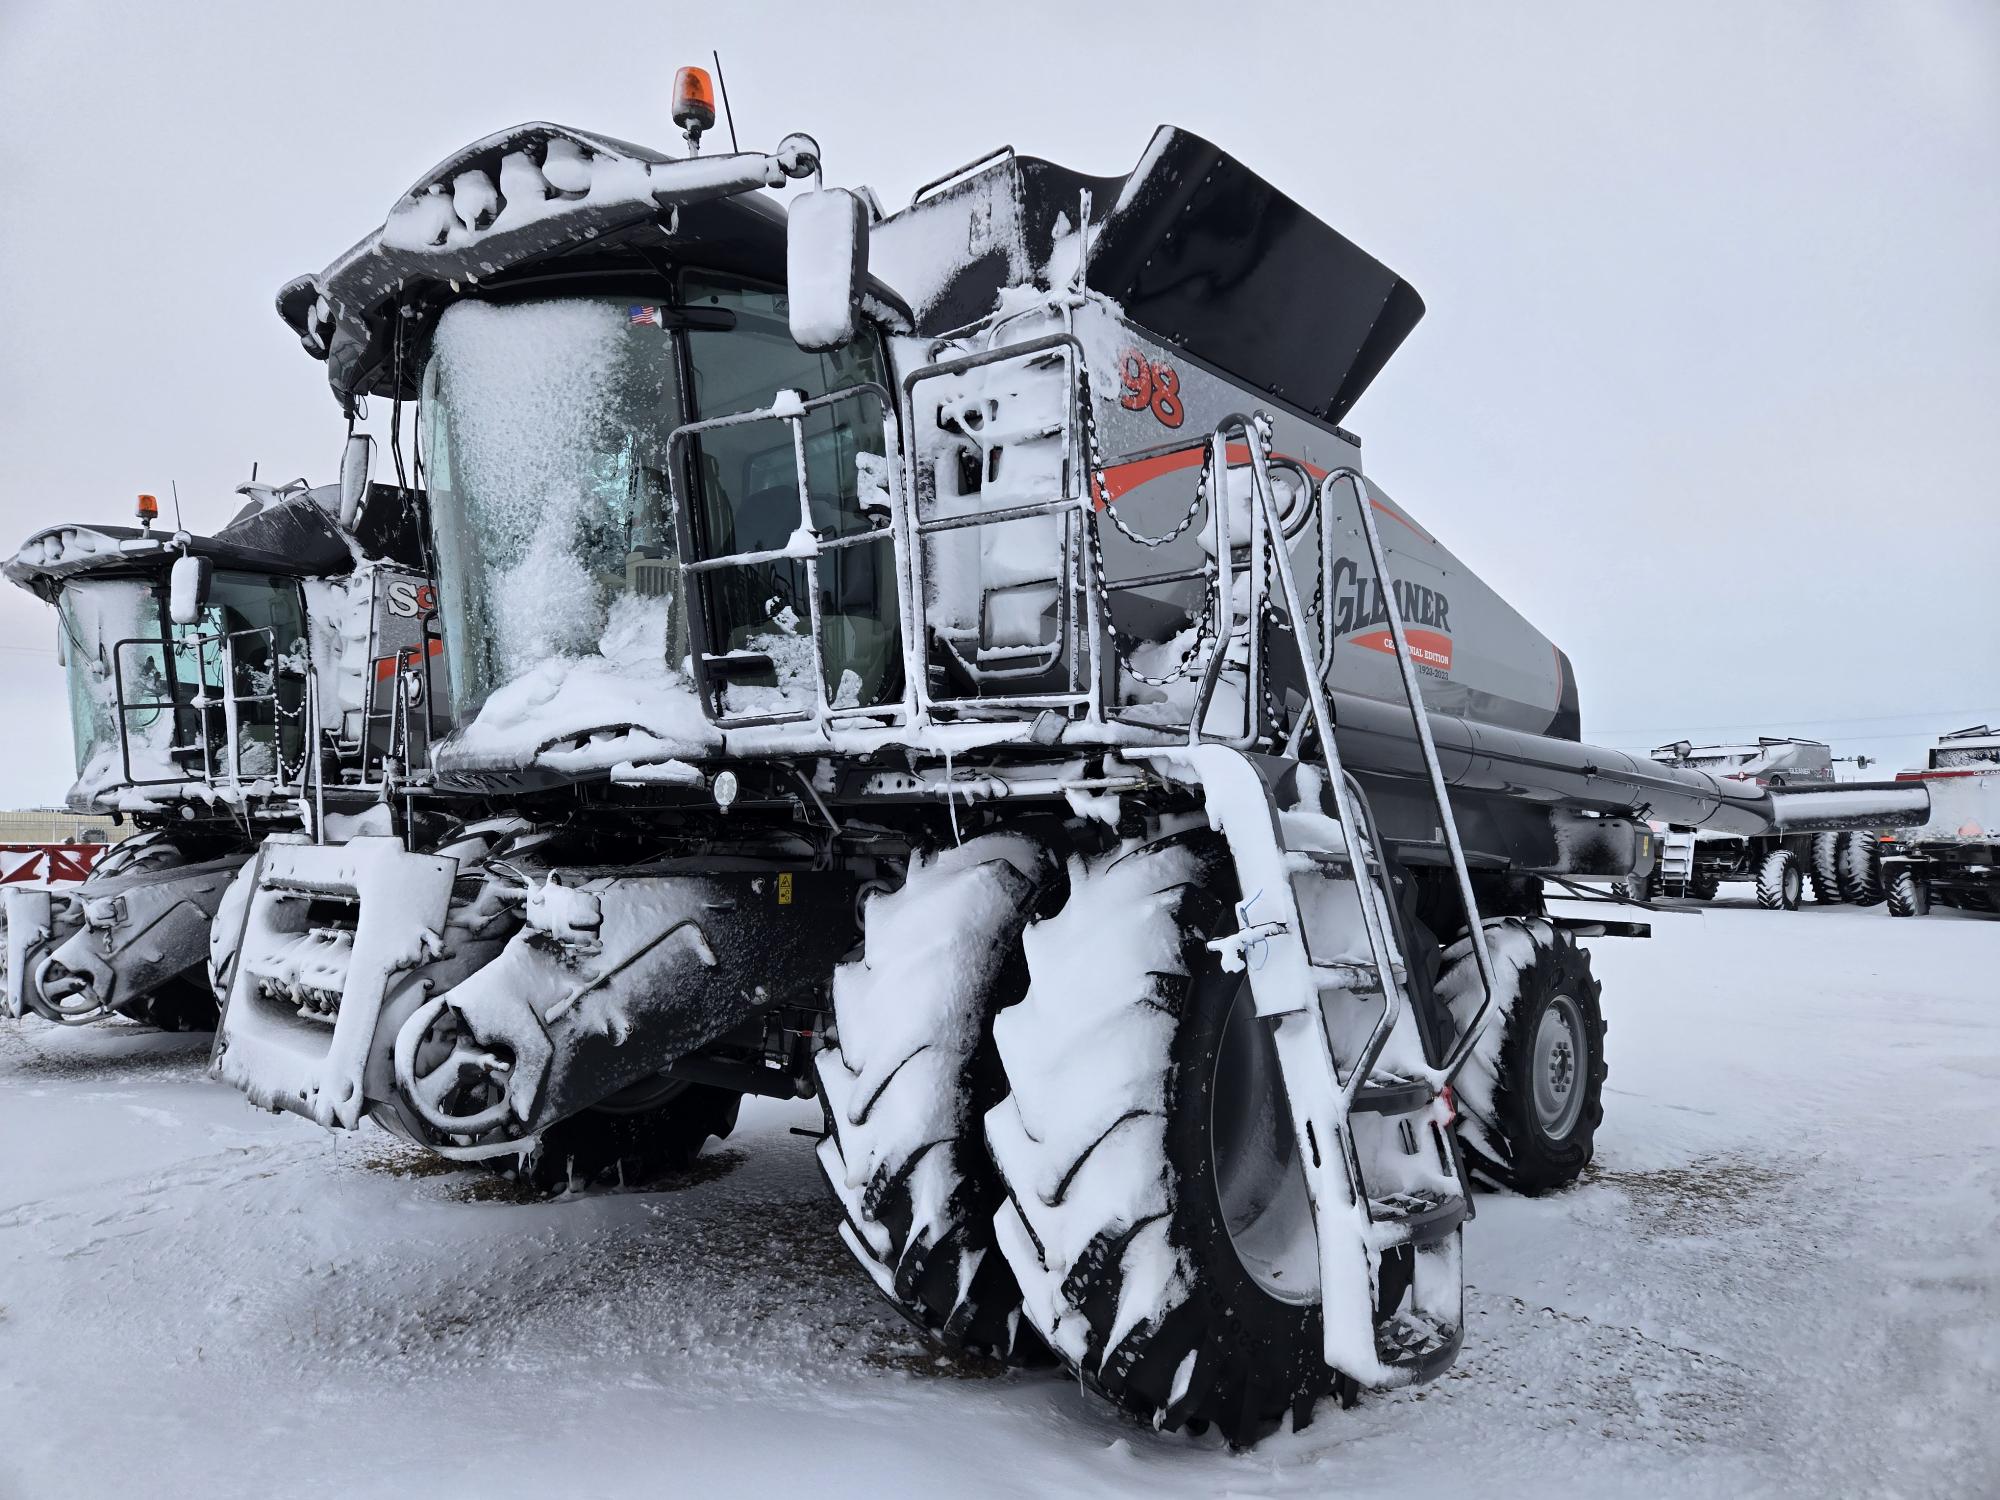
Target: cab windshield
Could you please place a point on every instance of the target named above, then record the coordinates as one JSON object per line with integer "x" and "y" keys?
{"x": 545, "y": 426}
{"x": 545, "y": 430}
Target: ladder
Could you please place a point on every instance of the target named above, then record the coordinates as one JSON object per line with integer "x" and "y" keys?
{"x": 1677, "y": 863}
{"x": 1371, "y": 1114}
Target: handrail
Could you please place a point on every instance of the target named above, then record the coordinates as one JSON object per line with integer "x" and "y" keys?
{"x": 1420, "y": 720}
{"x": 692, "y": 567}
{"x": 1079, "y": 640}
{"x": 1374, "y": 920}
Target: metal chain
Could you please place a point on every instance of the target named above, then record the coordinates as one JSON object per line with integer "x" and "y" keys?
{"x": 1103, "y": 498}
{"x": 1095, "y": 477}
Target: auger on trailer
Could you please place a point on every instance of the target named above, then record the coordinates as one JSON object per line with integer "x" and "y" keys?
{"x": 1694, "y": 862}
{"x": 201, "y": 671}
{"x": 952, "y": 663}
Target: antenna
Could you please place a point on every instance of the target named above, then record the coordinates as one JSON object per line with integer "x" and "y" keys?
{"x": 723, "y": 84}
{"x": 174, "y": 485}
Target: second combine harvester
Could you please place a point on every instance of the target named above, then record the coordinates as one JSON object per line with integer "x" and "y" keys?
{"x": 891, "y": 658}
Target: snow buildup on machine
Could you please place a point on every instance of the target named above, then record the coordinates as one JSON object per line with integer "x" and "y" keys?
{"x": 1512, "y": 946}
{"x": 573, "y": 174}
{"x": 574, "y": 653}
{"x": 526, "y": 386}
{"x": 1090, "y": 1156}
{"x": 910, "y": 1013}
{"x": 338, "y": 620}
{"x": 621, "y": 704}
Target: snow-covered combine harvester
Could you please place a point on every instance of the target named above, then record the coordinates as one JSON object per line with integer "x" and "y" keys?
{"x": 200, "y": 669}
{"x": 1953, "y": 859}
{"x": 902, "y": 648}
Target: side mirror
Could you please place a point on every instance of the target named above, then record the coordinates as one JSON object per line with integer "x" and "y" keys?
{"x": 826, "y": 265}
{"x": 355, "y": 462}
{"x": 189, "y": 588}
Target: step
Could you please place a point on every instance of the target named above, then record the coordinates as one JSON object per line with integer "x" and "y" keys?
{"x": 1421, "y": 1347}
{"x": 1386, "y": 1095}
{"x": 1419, "y": 1218}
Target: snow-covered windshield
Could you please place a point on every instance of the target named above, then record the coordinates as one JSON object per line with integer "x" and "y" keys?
{"x": 545, "y": 428}
{"x": 545, "y": 442}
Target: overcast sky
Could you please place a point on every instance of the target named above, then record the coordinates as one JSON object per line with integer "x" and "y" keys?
{"x": 1709, "y": 385}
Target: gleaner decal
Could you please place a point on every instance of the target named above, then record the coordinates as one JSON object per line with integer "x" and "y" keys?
{"x": 1358, "y": 604}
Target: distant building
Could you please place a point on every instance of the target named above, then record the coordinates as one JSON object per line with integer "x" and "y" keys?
{"x": 54, "y": 825}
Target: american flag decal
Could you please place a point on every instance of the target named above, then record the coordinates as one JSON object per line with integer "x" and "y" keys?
{"x": 644, "y": 317}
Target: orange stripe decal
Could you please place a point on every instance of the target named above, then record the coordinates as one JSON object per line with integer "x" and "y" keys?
{"x": 1118, "y": 480}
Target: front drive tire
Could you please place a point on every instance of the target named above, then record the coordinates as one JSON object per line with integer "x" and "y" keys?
{"x": 1531, "y": 1095}
{"x": 906, "y": 1083}
{"x": 1826, "y": 868}
{"x": 1109, "y": 1143}
{"x": 1779, "y": 883}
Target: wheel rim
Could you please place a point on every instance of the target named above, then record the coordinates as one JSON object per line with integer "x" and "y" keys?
{"x": 1258, "y": 1179}
{"x": 1794, "y": 885}
{"x": 1559, "y": 1062}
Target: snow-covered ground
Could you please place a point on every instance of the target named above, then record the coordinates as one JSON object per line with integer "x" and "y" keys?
{"x": 1782, "y": 1276}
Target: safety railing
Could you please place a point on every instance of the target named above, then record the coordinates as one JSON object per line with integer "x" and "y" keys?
{"x": 1077, "y": 599}
{"x": 214, "y": 690}
{"x": 714, "y": 669}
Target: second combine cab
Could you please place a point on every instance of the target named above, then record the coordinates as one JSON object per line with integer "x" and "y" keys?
{"x": 221, "y": 689}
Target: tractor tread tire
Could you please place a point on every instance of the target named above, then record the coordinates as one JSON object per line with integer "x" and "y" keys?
{"x": 1502, "y": 1137}
{"x": 1824, "y": 868}
{"x": 1113, "y": 1222}
{"x": 1906, "y": 895}
{"x": 1778, "y": 881}
{"x": 905, "y": 1084}
{"x": 1861, "y": 870}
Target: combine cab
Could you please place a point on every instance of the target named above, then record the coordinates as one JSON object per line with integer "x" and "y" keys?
{"x": 953, "y": 664}
{"x": 221, "y": 689}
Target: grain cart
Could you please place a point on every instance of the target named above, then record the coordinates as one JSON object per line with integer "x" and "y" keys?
{"x": 1953, "y": 859}
{"x": 1694, "y": 862}
{"x": 951, "y": 663}
{"x": 200, "y": 668}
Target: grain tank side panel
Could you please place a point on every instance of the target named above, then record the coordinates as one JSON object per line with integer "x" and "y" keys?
{"x": 1477, "y": 657}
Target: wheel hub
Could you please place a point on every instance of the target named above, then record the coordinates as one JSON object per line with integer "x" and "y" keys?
{"x": 1558, "y": 1060}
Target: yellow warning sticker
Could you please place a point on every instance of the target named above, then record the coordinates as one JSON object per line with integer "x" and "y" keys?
{"x": 785, "y": 888}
